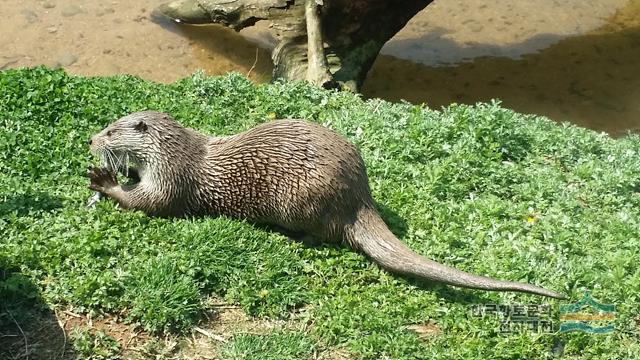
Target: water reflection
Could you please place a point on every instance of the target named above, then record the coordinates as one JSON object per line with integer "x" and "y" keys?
{"x": 592, "y": 80}
{"x": 225, "y": 50}
{"x": 218, "y": 50}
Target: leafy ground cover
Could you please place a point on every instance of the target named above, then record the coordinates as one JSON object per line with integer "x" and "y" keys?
{"x": 479, "y": 187}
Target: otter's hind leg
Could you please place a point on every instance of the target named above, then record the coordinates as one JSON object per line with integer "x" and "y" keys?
{"x": 297, "y": 236}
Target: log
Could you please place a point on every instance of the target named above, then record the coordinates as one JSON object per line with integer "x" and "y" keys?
{"x": 329, "y": 43}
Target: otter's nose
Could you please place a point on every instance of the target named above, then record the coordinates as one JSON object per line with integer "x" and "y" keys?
{"x": 90, "y": 141}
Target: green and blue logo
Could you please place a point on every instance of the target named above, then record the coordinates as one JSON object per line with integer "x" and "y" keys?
{"x": 587, "y": 315}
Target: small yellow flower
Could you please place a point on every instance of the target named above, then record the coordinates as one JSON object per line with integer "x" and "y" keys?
{"x": 263, "y": 293}
{"x": 531, "y": 219}
{"x": 271, "y": 115}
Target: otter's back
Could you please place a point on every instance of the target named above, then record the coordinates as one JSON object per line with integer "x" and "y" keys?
{"x": 289, "y": 172}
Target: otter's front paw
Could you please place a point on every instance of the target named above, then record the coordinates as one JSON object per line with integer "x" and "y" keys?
{"x": 101, "y": 179}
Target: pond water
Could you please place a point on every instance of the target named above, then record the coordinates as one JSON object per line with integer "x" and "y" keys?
{"x": 571, "y": 60}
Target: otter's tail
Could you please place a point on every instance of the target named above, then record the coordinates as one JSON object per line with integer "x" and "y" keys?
{"x": 373, "y": 237}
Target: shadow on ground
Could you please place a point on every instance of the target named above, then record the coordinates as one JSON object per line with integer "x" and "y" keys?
{"x": 28, "y": 328}
{"x": 23, "y": 204}
{"x": 33, "y": 201}
{"x": 592, "y": 80}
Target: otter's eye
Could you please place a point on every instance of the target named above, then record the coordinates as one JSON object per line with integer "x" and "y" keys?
{"x": 109, "y": 133}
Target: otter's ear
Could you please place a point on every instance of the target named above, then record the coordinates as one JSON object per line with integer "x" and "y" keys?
{"x": 141, "y": 126}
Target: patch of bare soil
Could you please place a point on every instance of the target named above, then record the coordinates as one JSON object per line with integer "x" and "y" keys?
{"x": 47, "y": 335}
{"x": 33, "y": 334}
{"x": 426, "y": 330}
{"x": 220, "y": 324}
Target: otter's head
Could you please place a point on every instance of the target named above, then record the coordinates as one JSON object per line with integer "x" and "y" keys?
{"x": 136, "y": 138}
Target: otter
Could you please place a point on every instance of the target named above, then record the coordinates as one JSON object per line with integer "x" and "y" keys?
{"x": 299, "y": 176}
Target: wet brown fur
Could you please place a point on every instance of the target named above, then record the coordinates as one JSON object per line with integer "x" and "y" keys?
{"x": 294, "y": 174}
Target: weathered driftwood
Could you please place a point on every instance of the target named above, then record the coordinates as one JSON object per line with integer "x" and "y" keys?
{"x": 317, "y": 66}
{"x": 327, "y": 43}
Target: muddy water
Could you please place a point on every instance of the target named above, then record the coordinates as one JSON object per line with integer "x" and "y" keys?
{"x": 574, "y": 61}
{"x": 110, "y": 37}
{"x": 571, "y": 60}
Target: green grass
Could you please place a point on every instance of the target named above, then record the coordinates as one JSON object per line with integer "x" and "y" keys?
{"x": 479, "y": 187}
{"x": 98, "y": 346}
{"x": 279, "y": 345}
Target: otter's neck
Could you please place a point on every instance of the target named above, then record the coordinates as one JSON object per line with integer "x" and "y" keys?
{"x": 176, "y": 157}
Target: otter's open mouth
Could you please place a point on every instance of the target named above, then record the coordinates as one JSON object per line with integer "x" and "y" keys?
{"x": 119, "y": 163}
